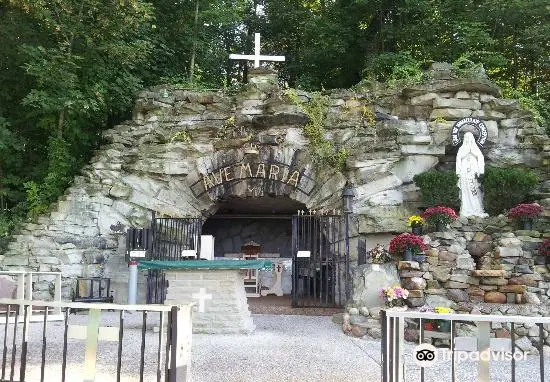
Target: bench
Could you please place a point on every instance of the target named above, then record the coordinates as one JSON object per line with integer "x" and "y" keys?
{"x": 93, "y": 289}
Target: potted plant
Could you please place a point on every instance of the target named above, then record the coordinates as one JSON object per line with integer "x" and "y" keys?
{"x": 394, "y": 296}
{"x": 525, "y": 213}
{"x": 544, "y": 250}
{"x": 416, "y": 222}
{"x": 440, "y": 216}
{"x": 407, "y": 245}
{"x": 379, "y": 254}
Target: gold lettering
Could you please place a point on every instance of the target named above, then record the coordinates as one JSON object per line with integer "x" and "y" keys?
{"x": 216, "y": 180}
{"x": 283, "y": 179}
{"x": 221, "y": 176}
{"x": 261, "y": 170}
{"x": 207, "y": 182}
{"x": 228, "y": 176}
{"x": 294, "y": 178}
{"x": 243, "y": 167}
{"x": 272, "y": 173}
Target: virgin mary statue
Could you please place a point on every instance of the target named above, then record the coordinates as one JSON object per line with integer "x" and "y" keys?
{"x": 469, "y": 165}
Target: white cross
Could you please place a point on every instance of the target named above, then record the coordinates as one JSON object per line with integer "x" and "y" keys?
{"x": 257, "y": 57}
{"x": 202, "y": 297}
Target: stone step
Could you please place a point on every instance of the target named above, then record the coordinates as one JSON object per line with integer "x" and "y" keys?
{"x": 488, "y": 273}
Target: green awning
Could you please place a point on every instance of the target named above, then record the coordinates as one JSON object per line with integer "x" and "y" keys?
{"x": 206, "y": 264}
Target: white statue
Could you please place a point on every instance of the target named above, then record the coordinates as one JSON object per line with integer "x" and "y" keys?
{"x": 470, "y": 164}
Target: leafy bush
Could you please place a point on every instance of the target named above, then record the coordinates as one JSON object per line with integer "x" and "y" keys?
{"x": 506, "y": 187}
{"x": 396, "y": 69}
{"x": 438, "y": 188}
{"x": 60, "y": 163}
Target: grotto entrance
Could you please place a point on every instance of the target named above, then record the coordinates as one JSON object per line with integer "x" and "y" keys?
{"x": 259, "y": 227}
{"x": 279, "y": 229}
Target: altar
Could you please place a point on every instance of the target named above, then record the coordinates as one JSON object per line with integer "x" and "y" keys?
{"x": 216, "y": 286}
{"x": 267, "y": 277}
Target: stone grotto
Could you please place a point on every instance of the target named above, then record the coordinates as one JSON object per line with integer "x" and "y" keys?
{"x": 242, "y": 163}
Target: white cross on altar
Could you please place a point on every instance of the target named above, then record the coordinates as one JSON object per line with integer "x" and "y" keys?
{"x": 256, "y": 57}
{"x": 202, "y": 296}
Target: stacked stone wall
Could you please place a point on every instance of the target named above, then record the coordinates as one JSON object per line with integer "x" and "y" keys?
{"x": 480, "y": 260}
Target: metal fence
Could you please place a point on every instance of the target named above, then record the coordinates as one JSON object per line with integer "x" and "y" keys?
{"x": 170, "y": 240}
{"x": 320, "y": 266}
{"x": 394, "y": 350}
{"x": 45, "y": 351}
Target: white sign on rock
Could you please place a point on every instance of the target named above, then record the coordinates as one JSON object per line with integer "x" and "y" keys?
{"x": 256, "y": 57}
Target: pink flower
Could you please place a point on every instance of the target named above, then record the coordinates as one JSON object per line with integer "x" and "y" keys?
{"x": 440, "y": 214}
{"x": 525, "y": 210}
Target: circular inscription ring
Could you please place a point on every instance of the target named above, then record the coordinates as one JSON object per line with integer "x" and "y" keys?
{"x": 477, "y": 123}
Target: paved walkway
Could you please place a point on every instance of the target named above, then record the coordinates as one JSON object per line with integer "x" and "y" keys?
{"x": 286, "y": 348}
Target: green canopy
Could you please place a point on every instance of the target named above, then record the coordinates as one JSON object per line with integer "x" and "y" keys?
{"x": 206, "y": 264}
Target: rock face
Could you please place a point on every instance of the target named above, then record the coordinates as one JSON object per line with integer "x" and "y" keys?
{"x": 184, "y": 153}
{"x": 368, "y": 280}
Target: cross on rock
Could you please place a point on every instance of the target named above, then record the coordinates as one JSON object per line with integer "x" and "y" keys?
{"x": 202, "y": 296}
{"x": 256, "y": 57}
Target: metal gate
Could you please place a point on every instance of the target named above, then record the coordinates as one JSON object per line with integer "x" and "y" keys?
{"x": 171, "y": 238}
{"x": 320, "y": 266}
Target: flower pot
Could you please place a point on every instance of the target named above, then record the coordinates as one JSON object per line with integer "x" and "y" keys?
{"x": 416, "y": 229}
{"x": 408, "y": 255}
{"x": 526, "y": 224}
{"x": 440, "y": 226}
{"x": 419, "y": 258}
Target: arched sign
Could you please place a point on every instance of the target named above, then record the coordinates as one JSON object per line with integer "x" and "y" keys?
{"x": 477, "y": 123}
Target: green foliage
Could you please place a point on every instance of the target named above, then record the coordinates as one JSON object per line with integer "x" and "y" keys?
{"x": 464, "y": 67}
{"x": 181, "y": 136}
{"x": 40, "y": 196}
{"x": 506, "y": 187}
{"x": 438, "y": 188}
{"x": 395, "y": 69}
{"x": 323, "y": 150}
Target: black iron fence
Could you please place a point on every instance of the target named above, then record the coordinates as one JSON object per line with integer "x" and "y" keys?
{"x": 168, "y": 239}
{"x": 320, "y": 274}
{"x": 401, "y": 362}
{"x": 45, "y": 350}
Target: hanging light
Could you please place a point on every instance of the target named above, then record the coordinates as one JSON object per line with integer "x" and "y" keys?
{"x": 347, "y": 195}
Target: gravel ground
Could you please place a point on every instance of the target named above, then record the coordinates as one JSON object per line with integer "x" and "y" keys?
{"x": 283, "y": 348}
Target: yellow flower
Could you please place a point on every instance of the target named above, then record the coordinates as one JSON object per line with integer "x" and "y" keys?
{"x": 415, "y": 220}
{"x": 443, "y": 310}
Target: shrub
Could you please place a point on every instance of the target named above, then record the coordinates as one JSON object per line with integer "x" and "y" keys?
{"x": 505, "y": 187}
{"x": 438, "y": 188}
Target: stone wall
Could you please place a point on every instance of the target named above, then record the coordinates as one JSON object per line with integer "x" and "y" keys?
{"x": 157, "y": 162}
{"x": 479, "y": 260}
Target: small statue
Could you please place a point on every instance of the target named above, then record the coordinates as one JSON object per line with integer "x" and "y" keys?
{"x": 470, "y": 165}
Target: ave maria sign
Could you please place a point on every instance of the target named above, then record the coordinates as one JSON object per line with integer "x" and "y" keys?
{"x": 252, "y": 173}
